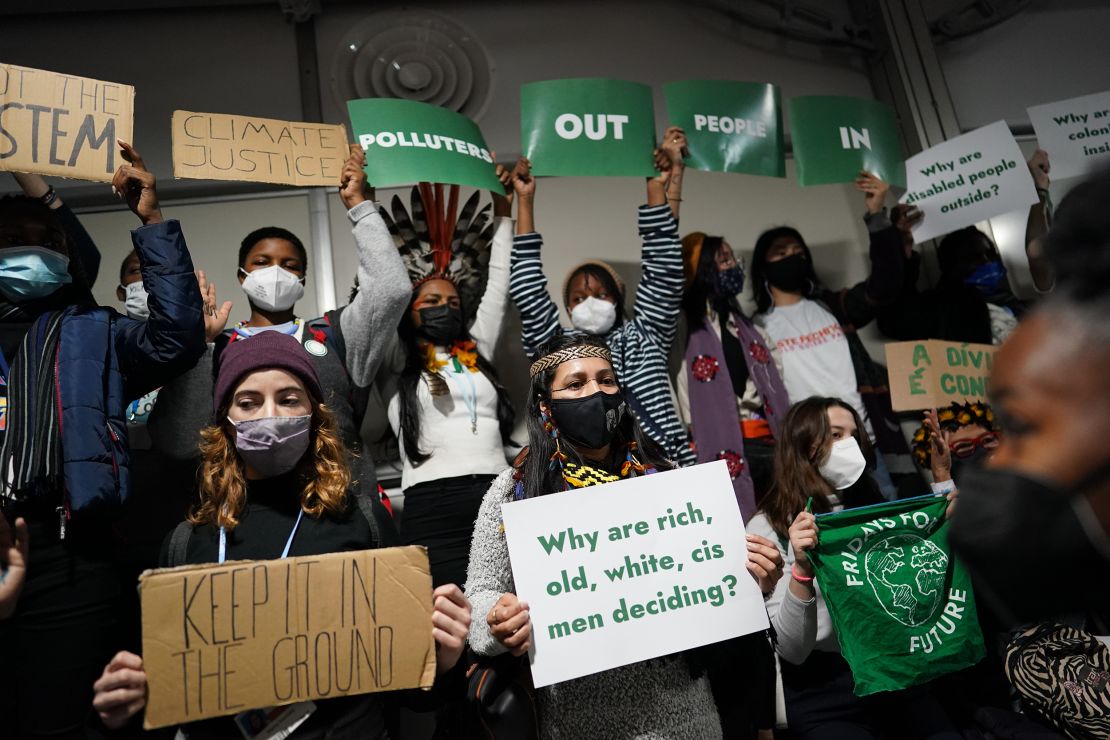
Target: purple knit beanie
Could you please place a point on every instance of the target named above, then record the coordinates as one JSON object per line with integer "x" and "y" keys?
{"x": 264, "y": 351}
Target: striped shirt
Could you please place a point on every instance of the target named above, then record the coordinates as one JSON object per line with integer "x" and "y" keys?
{"x": 640, "y": 346}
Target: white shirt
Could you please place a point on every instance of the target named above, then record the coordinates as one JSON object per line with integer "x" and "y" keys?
{"x": 816, "y": 360}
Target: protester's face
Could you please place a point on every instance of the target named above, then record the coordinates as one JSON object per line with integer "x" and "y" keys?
{"x": 437, "y": 292}
{"x": 26, "y": 230}
{"x": 584, "y": 285}
{"x": 1048, "y": 391}
{"x": 273, "y": 251}
{"x": 783, "y": 247}
{"x": 583, "y": 377}
{"x": 268, "y": 393}
{"x": 131, "y": 274}
{"x": 971, "y": 438}
{"x": 726, "y": 259}
{"x": 841, "y": 423}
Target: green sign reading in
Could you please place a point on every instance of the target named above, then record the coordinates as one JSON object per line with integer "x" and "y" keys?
{"x": 588, "y": 127}
{"x": 900, "y": 602}
{"x": 407, "y": 142}
{"x": 730, "y": 126}
{"x": 834, "y": 138}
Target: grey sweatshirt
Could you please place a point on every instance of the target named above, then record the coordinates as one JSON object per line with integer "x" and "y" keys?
{"x": 654, "y": 699}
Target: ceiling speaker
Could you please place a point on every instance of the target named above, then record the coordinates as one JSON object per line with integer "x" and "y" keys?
{"x": 415, "y": 55}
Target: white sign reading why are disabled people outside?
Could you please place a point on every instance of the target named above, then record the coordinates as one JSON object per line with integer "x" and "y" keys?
{"x": 631, "y": 570}
{"x": 1075, "y": 133}
{"x": 966, "y": 180}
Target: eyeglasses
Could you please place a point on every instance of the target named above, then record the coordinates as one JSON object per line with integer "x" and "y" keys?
{"x": 967, "y": 447}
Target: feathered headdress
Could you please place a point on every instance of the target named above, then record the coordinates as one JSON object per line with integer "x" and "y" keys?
{"x": 440, "y": 241}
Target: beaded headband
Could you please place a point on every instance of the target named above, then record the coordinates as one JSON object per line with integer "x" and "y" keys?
{"x": 576, "y": 352}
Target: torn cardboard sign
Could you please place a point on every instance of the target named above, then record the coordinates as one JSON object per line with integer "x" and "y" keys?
{"x": 222, "y": 639}
{"x": 62, "y": 125}
{"x": 218, "y": 146}
{"x": 932, "y": 373}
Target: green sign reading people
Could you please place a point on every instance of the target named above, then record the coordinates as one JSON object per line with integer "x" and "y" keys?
{"x": 893, "y": 589}
{"x": 834, "y": 138}
{"x": 730, "y": 126}
{"x": 588, "y": 127}
{"x": 407, "y": 142}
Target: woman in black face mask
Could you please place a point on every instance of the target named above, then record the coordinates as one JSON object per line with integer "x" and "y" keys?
{"x": 1033, "y": 525}
{"x": 815, "y": 327}
{"x": 581, "y": 433}
{"x": 450, "y": 415}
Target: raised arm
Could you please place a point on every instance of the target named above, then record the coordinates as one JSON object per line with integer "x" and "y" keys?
{"x": 659, "y": 295}
{"x": 670, "y": 156}
{"x": 34, "y": 186}
{"x": 489, "y": 574}
{"x": 539, "y": 316}
{"x": 369, "y": 322}
{"x": 172, "y": 339}
{"x": 1040, "y": 218}
{"x": 490, "y": 315}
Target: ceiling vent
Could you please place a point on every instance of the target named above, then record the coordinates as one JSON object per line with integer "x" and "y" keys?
{"x": 414, "y": 55}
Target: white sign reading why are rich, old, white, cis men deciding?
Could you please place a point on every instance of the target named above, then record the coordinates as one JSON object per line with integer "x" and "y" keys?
{"x": 632, "y": 570}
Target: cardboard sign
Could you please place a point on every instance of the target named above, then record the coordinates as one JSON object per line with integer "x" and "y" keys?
{"x": 408, "y": 142}
{"x": 836, "y": 137}
{"x": 1075, "y": 133}
{"x": 966, "y": 180}
{"x": 730, "y": 126}
{"x": 223, "y": 639}
{"x": 932, "y": 373}
{"x": 61, "y": 125}
{"x": 632, "y": 570}
{"x": 588, "y": 127}
{"x": 218, "y": 146}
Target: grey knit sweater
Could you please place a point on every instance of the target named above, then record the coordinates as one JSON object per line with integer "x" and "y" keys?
{"x": 653, "y": 700}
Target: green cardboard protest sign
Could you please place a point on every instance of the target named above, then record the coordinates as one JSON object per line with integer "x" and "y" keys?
{"x": 893, "y": 589}
{"x": 406, "y": 142}
{"x": 588, "y": 127}
{"x": 836, "y": 137}
{"x": 730, "y": 126}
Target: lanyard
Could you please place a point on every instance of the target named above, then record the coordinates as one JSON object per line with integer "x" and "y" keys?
{"x": 471, "y": 400}
{"x": 288, "y": 542}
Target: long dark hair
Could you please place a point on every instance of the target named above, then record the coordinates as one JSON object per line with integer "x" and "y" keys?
{"x": 415, "y": 362}
{"x": 539, "y": 477}
{"x": 703, "y": 288}
{"x": 803, "y": 444}
{"x": 76, "y": 293}
{"x": 760, "y": 290}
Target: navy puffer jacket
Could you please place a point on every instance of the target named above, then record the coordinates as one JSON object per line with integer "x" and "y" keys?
{"x": 106, "y": 359}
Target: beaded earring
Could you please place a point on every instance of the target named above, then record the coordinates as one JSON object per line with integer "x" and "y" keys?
{"x": 630, "y": 462}
{"x": 558, "y": 458}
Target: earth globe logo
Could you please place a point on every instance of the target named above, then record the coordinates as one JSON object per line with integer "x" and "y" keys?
{"x": 907, "y": 574}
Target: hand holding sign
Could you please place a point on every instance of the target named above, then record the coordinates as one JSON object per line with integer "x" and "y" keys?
{"x": 1038, "y": 168}
{"x": 510, "y": 623}
{"x": 764, "y": 562}
{"x": 120, "y": 692}
{"x": 352, "y": 180}
{"x": 874, "y": 191}
{"x": 134, "y": 184}
{"x": 450, "y": 625}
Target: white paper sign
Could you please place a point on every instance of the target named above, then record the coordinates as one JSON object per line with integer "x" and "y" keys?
{"x": 631, "y": 570}
{"x": 1075, "y": 133}
{"x": 966, "y": 180}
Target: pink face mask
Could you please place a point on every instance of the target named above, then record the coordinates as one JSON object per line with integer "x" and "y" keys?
{"x": 272, "y": 445}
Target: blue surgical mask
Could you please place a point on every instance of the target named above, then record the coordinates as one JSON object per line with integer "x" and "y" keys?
{"x": 30, "y": 272}
{"x": 987, "y": 278}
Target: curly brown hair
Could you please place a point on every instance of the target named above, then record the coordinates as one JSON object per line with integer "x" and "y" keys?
{"x": 223, "y": 483}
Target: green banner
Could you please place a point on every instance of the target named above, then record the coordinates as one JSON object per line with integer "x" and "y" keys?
{"x": 588, "y": 127}
{"x": 834, "y": 138}
{"x": 408, "y": 142}
{"x": 900, "y": 602}
{"x": 730, "y": 126}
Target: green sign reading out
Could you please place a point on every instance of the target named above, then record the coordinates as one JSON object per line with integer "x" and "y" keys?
{"x": 406, "y": 142}
{"x": 900, "y": 602}
{"x": 836, "y": 137}
{"x": 730, "y": 126}
{"x": 588, "y": 127}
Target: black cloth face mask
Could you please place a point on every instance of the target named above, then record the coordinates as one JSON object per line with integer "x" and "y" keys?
{"x": 441, "y": 324}
{"x": 789, "y": 274}
{"x": 1034, "y": 549}
{"x": 589, "y": 422}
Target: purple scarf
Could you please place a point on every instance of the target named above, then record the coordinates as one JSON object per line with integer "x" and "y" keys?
{"x": 716, "y": 425}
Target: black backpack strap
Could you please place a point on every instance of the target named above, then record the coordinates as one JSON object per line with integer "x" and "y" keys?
{"x": 179, "y": 543}
{"x": 366, "y": 507}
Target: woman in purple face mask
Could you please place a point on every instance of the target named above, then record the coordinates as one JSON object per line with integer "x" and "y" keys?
{"x": 274, "y": 482}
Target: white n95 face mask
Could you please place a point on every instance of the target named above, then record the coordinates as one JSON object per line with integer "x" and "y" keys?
{"x": 135, "y": 302}
{"x": 845, "y": 464}
{"x": 273, "y": 288}
{"x": 594, "y": 316}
